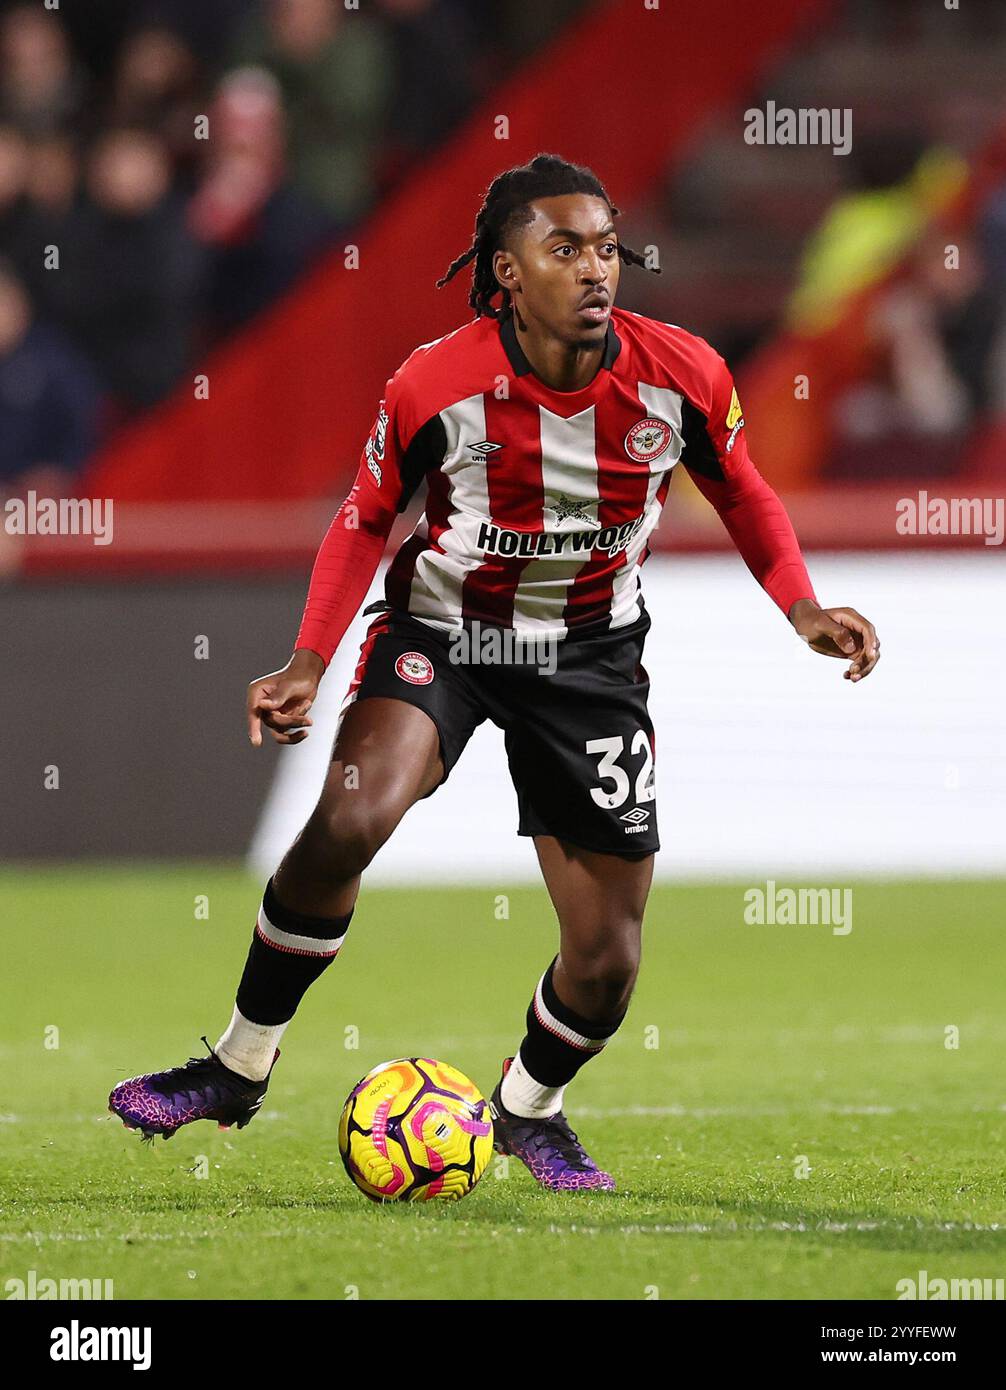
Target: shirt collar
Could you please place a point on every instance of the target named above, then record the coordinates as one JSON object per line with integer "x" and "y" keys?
{"x": 520, "y": 364}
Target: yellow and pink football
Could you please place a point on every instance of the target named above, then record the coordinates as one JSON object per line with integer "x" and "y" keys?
{"x": 415, "y": 1129}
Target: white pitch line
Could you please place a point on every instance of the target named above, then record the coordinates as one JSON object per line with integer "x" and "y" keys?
{"x": 676, "y": 1112}
{"x": 728, "y": 1227}
{"x": 757, "y": 1112}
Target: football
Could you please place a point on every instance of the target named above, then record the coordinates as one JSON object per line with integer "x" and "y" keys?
{"x": 414, "y": 1129}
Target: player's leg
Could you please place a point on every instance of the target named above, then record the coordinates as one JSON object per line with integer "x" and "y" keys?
{"x": 582, "y": 997}
{"x": 599, "y": 900}
{"x": 581, "y": 758}
{"x": 407, "y": 720}
{"x": 578, "y": 1005}
{"x": 387, "y": 755}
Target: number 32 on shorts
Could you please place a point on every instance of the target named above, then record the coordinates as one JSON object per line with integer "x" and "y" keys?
{"x": 610, "y": 769}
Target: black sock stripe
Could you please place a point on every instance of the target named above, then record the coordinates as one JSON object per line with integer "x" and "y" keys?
{"x": 274, "y": 982}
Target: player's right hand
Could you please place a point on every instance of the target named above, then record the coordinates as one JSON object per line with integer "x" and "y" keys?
{"x": 282, "y": 699}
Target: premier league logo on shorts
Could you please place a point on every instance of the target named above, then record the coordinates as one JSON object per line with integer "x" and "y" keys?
{"x": 647, "y": 439}
{"x": 414, "y": 668}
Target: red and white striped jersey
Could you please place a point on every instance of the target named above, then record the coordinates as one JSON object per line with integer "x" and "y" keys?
{"x": 540, "y": 503}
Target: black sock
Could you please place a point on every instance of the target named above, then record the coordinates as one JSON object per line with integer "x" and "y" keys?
{"x": 288, "y": 952}
{"x": 559, "y": 1041}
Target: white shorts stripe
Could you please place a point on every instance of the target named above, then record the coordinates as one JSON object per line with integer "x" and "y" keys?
{"x": 296, "y": 945}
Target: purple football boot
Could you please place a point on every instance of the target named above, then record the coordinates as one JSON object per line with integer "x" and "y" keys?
{"x": 549, "y": 1148}
{"x": 203, "y": 1089}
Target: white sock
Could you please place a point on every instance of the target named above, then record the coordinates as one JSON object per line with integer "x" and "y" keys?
{"x": 524, "y": 1096}
{"x": 248, "y": 1048}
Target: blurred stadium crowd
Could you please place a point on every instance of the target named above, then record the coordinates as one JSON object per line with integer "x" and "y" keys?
{"x": 763, "y": 240}
{"x": 167, "y": 242}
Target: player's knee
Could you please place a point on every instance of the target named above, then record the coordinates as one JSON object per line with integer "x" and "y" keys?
{"x": 353, "y": 832}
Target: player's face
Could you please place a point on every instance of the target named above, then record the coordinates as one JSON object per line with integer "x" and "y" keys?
{"x": 562, "y": 268}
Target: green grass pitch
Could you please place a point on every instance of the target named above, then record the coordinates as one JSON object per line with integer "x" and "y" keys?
{"x": 750, "y": 1055}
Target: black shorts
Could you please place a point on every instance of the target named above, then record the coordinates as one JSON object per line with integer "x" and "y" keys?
{"x": 578, "y": 737}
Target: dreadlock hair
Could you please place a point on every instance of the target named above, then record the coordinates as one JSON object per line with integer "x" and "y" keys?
{"x": 506, "y": 207}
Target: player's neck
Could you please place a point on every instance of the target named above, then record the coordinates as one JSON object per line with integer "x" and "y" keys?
{"x": 559, "y": 365}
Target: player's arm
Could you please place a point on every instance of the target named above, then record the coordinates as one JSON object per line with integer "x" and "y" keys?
{"x": 717, "y": 459}
{"x": 343, "y": 572}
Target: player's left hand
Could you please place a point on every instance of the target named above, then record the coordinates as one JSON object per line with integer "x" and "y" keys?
{"x": 840, "y": 632}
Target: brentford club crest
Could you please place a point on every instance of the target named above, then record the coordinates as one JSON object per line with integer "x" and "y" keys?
{"x": 414, "y": 668}
{"x": 647, "y": 439}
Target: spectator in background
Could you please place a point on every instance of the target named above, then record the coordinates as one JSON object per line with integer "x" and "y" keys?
{"x": 427, "y": 36}
{"x": 128, "y": 278}
{"x": 53, "y": 174}
{"x": 42, "y": 88}
{"x": 897, "y": 184}
{"x": 157, "y": 86}
{"x": 49, "y": 399}
{"x": 15, "y": 237}
{"x": 51, "y": 189}
{"x": 933, "y": 330}
{"x": 334, "y": 69}
{"x": 206, "y": 27}
{"x": 260, "y": 231}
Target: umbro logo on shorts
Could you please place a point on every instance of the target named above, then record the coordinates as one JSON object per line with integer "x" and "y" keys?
{"x": 414, "y": 668}
{"x": 637, "y": 815}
